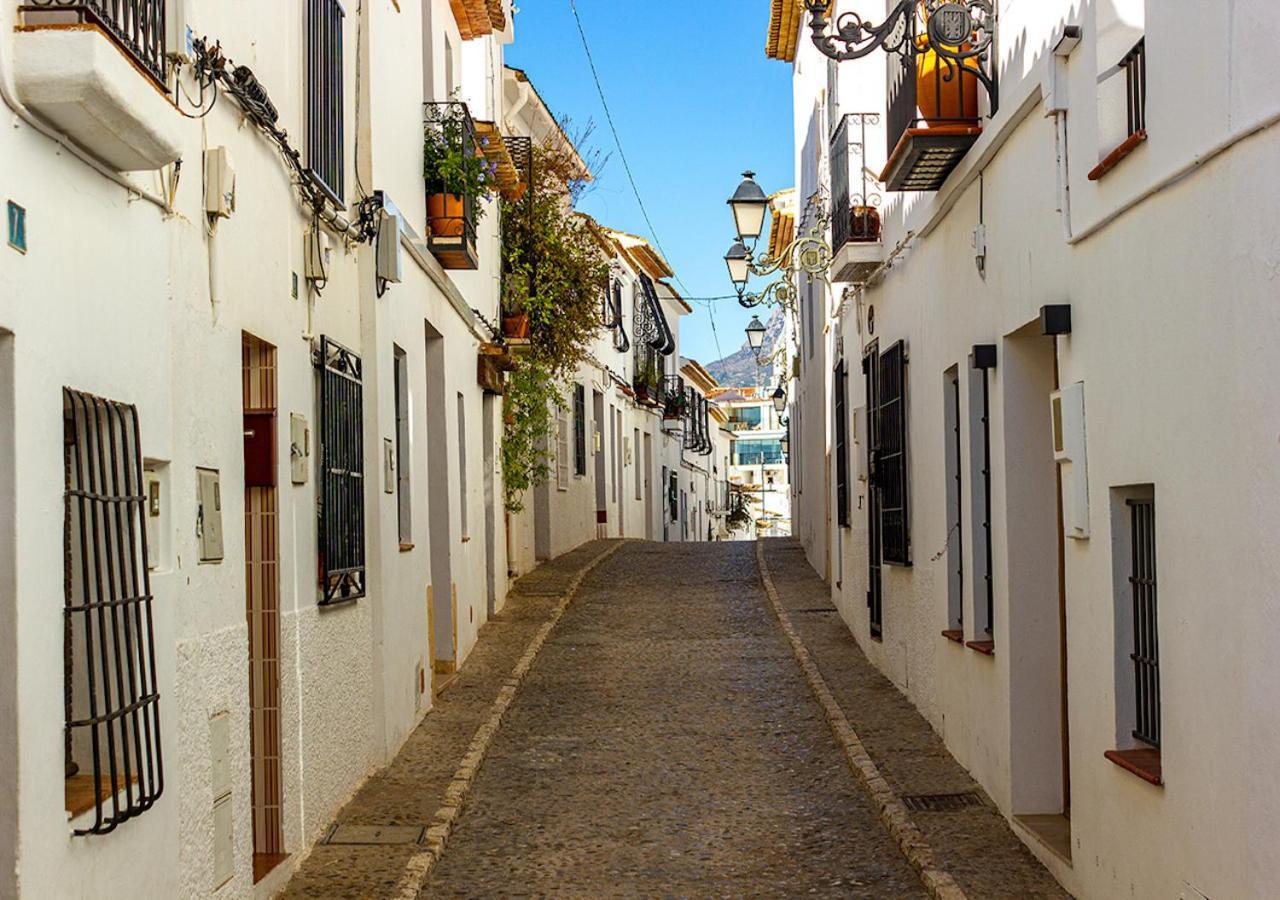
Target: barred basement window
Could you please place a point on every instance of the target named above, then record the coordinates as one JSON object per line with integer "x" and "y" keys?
{"x": 891, "y": 455}
{"x": 341, "y": 487}
{"x": 579, "y": 430}
{"x": 112, "y": 703}
{"x": 325, "y": 155}
{"x": 841, "y": 389}
{"x": 1146, "y": 641}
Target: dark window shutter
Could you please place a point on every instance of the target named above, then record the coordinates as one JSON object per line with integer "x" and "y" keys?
{"x": 891, "y": 458}
{"x": 841, "y": 393}
{"x": 579, "y": 430}
{"x": 325, "y": 156}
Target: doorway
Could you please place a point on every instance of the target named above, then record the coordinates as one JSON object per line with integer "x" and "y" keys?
{"x": 1031, "y": 528}
{"x": 441, "y": 620}
{"x": 262, "y": 599}
{"x": 648, "y": 487}
{"x": 602, "y": 488}
{"x": 875, "y": 598}
{"x": 489, "y": 409}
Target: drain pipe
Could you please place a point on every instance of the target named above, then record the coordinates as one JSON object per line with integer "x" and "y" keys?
{"x": 11, "y": 101}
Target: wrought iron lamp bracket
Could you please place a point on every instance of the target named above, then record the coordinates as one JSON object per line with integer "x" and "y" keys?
{"x": 809, "y": 253}
{"x": 956, "y": 30}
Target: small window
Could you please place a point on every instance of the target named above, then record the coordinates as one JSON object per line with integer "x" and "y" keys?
{"x": 462, "y": 464}
{"x": 325, "y": 128}
{"x": 954, "y": 543}
{"x": 840, "y": 390}
{"x": 980, "y": 500}
{"x": 562, "y": 449}
{"x": 112, "y": 702}
{"x": 1122, "y": 79}
{"x": 404, "y": 455}
{"x": 579, "y": 430}
{"x": 341, "y": 482}
{"x": 891, "y": 456}
{"x": 639, "y": 467}
{"x": 1137, "y": 616}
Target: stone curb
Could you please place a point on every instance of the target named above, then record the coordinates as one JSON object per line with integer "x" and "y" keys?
{"x": 893, "y": 813}
{"x": 419, "y": 866}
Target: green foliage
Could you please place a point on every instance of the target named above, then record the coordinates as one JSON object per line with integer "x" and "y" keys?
{"x": 554, "y": 270}
{"x": 738, "y": 519}
{"x": 450, "y": 166}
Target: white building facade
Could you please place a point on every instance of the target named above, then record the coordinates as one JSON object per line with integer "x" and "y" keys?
{"x": 1034, "y": 414}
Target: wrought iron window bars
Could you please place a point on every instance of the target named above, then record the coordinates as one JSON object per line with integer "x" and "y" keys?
{"x": 451, "y": 232}
{"x": 1135, "y": 70}
{"x": 112, "y": 699}
{"x": 341, "y": 489}
{"x": 136, "y": 26}
{"x": 326, "y": 158}
{"x": 1146, "y": 642}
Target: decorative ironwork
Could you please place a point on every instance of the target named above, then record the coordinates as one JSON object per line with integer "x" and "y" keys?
{"x": 809, "y": 253}
{"x": 341, "y": 488}
{"x": 137, "y": 26}
{"x": 451, "y": 231}
{"x": 112, "y": 700}
{"x": 958, "y": 32}
{"x": 675, "y": 403}
{"x": 617, "y": 323}
{"x": 855, "y": 215}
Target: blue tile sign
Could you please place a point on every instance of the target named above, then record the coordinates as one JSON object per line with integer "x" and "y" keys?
{"x": 17, "y": 227}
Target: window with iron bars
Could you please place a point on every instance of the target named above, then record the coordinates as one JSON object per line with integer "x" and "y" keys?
{"x": 112, "y": 748}
{"x": 841, "y": 392}
{"x": 325, "y": 126}
{"x": 1135, "y": 76}
{"x": 891, "y": 456}
{"x": 341, "y": 487}
{"x": 1146, "y": 642}
{"x": 579, "y": 430}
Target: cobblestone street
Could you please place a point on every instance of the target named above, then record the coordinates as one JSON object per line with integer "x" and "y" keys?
{"x": 665, "y": 742}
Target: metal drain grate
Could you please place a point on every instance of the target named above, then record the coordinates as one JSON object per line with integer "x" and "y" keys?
{"x": 942, "y": 802}
{"x": 816, "y": 610}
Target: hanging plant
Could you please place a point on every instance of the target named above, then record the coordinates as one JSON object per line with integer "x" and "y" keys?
{"x": 454, "y": 167}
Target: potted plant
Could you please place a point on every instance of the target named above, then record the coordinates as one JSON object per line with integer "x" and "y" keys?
{"x": 454, "y": 169}
{"x": 944, "y": 94}
{"x": 675, "y": 406}
{"x": 646, "y": 381}
{"x": 866, "y": 224}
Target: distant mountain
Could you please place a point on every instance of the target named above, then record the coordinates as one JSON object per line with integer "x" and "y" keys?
{"x": 739, "y": 369}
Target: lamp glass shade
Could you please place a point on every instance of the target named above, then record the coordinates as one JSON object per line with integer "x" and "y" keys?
{"x": 738, "y": 261}
{"x": 749, "y": 205}
{"x": 755, "y": 333}
{"x": 786, "y": 445}
{"x": 780, "y": 400}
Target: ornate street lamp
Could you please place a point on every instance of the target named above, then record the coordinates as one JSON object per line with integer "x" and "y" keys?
{"x": 739, "y": 262}
{"x": 755, "y": 333}
{"x": 780, "y": 400}
{"x": 749, "y": 205}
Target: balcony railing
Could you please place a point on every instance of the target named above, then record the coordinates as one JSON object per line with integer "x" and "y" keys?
{"x": 854, "y": 213}
{"x": 136, "y": 26}
{"x": 451, "y": 218}
{"x": 674, "y": 400}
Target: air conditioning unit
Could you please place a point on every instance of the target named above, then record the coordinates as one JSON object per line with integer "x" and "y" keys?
{"x": 1066, "y": 409}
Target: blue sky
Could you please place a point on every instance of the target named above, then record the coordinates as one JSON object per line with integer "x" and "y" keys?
{"x": 695, "y": 102}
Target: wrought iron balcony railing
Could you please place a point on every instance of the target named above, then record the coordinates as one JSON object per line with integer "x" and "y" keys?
{"x": 674, "y": 400}
{"x": 855, "y": 214}
{"x": 136, "y": 26}
{"x": 451, "y": 217}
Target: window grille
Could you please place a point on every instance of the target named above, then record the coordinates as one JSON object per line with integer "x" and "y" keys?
{"x": 985, "y": 561}
{"x": 325, "y": 127}
{"x": 891, "y": 455}
{"x": 1135, "y": 75}
{"x": 112, "y": 700}
{"x": 841, "y": 389}
{"x": 579, "y": 430}
{"x": 1146, "y": 643}
{"x": 673, "y": 496}
{"x": 875, "y": 596}
{"x": 341, "y": 513}
{"x": 562, "y": 450}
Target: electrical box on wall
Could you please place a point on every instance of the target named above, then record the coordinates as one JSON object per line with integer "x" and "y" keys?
{"x": 299, "y": 448}
{"x": 316, "y": 255}
{"x": 219, "y": 183}
{"x": 388, "y": 258}
{"x": 209, "y": 515}
{"x": 1066, "y": 409}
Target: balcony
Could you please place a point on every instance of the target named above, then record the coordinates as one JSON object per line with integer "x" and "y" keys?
{"x": 857, "y": 250}
{"x": 934, "y": 118}
{"x": 675, "y": 403}
{"x": 95, "y": 69}
{"x": 453, "y": 171}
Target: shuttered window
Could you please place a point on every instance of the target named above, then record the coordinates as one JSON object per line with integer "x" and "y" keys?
{"x": 891, "y": 456}
{"x": 841, "y": 394}
{"x": 112, "y": 702}
{"x": 325, "y": 126}
{"x": 579, "y": 430}
{"x": 562, "y": 450}
{"x": 341, "y": 513}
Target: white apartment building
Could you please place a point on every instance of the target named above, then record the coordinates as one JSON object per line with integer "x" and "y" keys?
{"x": 758, "y": 466}
{"x": 270, "y": 527}
{"x": 1033, "y": 436}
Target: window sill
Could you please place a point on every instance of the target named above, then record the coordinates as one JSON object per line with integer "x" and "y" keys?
{"x": 1142, "y": 761}
{"x": 406, "y": 546}
{"x": 81, "y": 797}
{"x": 955, "y": 635}
{"x": 986, "y": 648}
{"x": 1116, "y": 156}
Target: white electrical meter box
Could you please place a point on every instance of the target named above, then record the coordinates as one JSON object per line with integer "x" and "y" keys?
{"x": 299, "y": 448}
{"x": 1066, "y": 411}
{"x": 219, "y": 183}
{"x": 388, "y": 259}
{"x": 316, "y": 255}
{"x": 209, "y": 515}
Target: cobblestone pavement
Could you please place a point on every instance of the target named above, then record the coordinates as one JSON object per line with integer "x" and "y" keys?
{"x": 975, "y": 844}
{"x": 666, "y": 744}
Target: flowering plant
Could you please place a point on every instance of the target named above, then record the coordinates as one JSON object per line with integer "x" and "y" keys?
{"x": 452, "y": 161}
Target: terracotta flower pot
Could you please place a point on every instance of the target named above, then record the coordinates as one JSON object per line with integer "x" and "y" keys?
{"x": 866, "y": 224}
{"x": 944, "y": 94}
{"x": 446, "y": 214}
{"x": 516, "y": 326}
